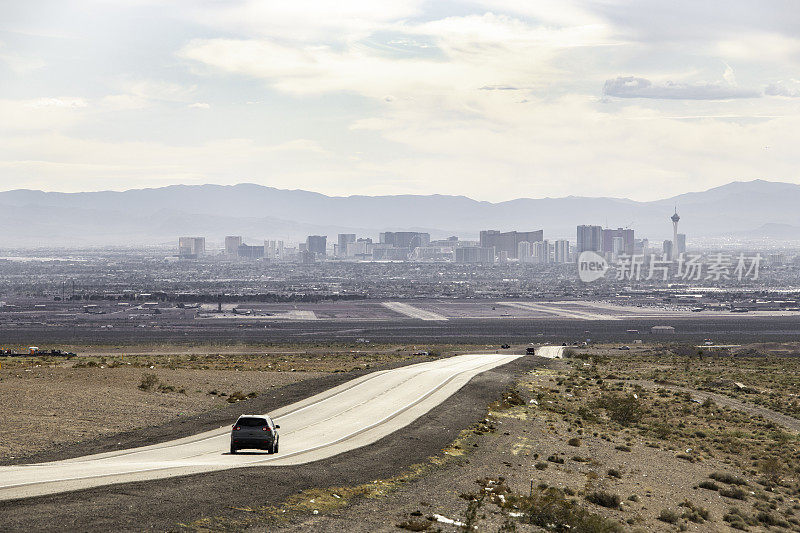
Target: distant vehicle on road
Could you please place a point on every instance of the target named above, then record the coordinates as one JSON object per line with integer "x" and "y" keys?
{"x": 421, "y": 353}
{"x": 256, "y": 432}
{"x": 624, "y": 348}
{"x": 530, "y": 350}
{"x": 505, "y": 346}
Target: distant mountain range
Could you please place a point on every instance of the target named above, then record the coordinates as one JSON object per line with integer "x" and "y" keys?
{"x": 755, "y": 209}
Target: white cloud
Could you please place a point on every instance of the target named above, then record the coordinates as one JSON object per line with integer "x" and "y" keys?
{"x": 200, "y": 105}
{"x": 789, "y": 89}
{"x": 74, "y": 103}
{"x": 633, "y": 87}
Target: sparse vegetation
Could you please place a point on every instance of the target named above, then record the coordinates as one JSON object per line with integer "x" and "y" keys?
{"x": 148, "y": 381}
{"x": 604, "y": 499}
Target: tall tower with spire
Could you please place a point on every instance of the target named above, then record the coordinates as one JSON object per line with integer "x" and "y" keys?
{"x": 675, "y": 218}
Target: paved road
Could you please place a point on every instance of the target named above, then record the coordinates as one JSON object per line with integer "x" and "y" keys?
{"x": 550, "y": 352}
{"x": 351, "y": 415}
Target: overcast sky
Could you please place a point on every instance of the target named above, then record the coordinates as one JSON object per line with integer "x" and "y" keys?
{"x": 494, "y": 100}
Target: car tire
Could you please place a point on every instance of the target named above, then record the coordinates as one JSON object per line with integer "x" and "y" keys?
{"x": 275, "y": 449}
{"x": 233, "y": 449}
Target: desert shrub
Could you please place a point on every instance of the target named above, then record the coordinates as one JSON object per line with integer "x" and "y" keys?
{"x": 574, "y": 441}
{"x": 556, "y": 459}
{"x": 733, "y": 492}
{"x": 164, "y": 388}
{"x": 148, "y": 381}
{"x": 769, "y": 519}
{"x": 613, "y": 472}
{"x": 623, "y": 409}
{"x": 622, "y": 448}
{"x": 669, "y": 516}
{"x": 540, "y": 465}
{"x": 604, "y": 499}
{"x": 587, "y": 414}
{"x": 237, "y": 396}
{"x": 772, "y": 469}
{"x": 694, "y": 513}
{"x": 725, "y": 477}
{"x": 415, "y": 524}
{"x": 737, "y": 519}
{"x": 708, "y": 485}
{"x": 551, "y": 510}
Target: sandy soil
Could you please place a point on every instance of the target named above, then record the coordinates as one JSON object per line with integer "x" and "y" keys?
{"x": 46, "y": 407}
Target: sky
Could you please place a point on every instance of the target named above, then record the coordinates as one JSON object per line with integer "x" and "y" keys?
{"x": 496, "y": 100}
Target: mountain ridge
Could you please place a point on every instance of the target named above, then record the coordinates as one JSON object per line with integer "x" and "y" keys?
{"x": 143, "y": 215}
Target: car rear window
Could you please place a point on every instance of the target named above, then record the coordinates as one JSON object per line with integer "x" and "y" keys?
{"x": 252, "y": 422}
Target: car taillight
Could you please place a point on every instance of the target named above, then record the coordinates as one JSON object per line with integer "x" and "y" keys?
{"x": 265, "y": 428}
{"x": 235, "y": 428}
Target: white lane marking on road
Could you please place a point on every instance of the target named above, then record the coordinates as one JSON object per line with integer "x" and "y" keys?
{"x": 413, "y": 312}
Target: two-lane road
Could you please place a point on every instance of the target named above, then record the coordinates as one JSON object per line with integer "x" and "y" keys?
{"x": 351, "y": 415}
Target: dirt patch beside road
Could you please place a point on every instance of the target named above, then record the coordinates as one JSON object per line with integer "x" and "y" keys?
{"x": 46, "y": 408}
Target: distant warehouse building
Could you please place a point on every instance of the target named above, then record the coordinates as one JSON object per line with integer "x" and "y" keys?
{"x": 250, "y": 252}
{"x": 662, "y": 330}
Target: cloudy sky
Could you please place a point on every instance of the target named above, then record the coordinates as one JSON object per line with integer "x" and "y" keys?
{"x": 493, "y": 100}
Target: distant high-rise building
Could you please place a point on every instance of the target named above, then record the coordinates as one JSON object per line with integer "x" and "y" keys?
{"x": 590, "y": 238}
{"x": 345, "y": 239}
{"x": 675, "y": 218}
{"x": 232, "y": 243}
{"x": 627, "y": 240}
{"x": 541, "y": 252}
{"x": 508, "y": 241}
{"x": 405, "y": 239}
{"x": 317, "y": 244}
{"x": 617, "y": 246}
{"x": 525, "y": 252}
{"x": 668, "y": 250}
{"x": 681, "y": 244}
{"x": 475, "y": 254}
{"x": 561, "y": 251}
{"x": 361, "y": 249}
{"x": 641, "y": 247}
{"x": 191, "y": 247}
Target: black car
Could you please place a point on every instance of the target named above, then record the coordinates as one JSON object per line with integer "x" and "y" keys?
{"x": 505, "y": 346}
{"x": 255, "y": 431}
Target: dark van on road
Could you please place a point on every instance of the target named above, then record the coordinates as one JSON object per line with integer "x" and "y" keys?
{"x": 255, "y": 431}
